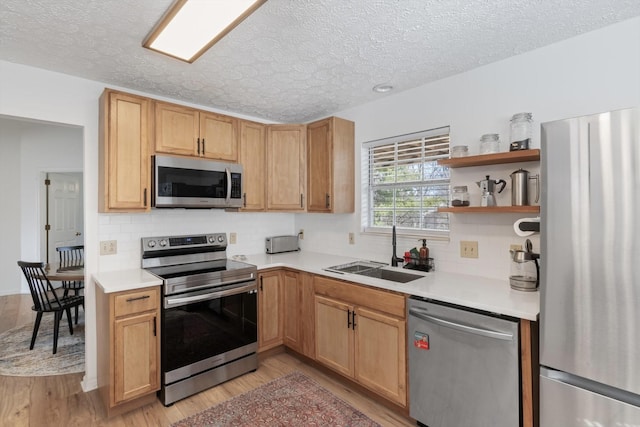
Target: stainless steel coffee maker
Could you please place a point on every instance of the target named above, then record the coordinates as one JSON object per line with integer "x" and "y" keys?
{"x": 488, "y": 187}
{"x": 520, "y": 187}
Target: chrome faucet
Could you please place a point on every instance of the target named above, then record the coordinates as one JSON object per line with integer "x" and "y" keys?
{"x": 394, "y": 257}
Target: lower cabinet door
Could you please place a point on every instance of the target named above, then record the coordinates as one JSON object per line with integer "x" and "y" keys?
{"x": 334, "y": 335}
{"x": 136, "y": 357}
{"x": 380, "y": 354}
{"x": 270, "y": 318}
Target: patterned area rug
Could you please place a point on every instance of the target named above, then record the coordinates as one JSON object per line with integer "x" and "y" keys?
{"x": 17, "y": 360}
{"x": 292, "y": 400}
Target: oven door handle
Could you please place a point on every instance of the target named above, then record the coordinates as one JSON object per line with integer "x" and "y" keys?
{"x": 228, "y": 172}
{"x": 174, "y": 302}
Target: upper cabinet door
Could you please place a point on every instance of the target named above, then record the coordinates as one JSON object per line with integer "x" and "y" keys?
{"x": 319, "y": 165}
{"x": 176, "y": 130}
{"x": 218, "y": 137}
{"x": 124, "y": 172}
{"x": 331, "y": 166}
{"x": 252, "y": 157}
{"x": 286, "y": 168}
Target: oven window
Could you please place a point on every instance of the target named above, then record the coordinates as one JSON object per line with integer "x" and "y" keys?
{"x": 195, "y": 332}
{"x": 178, "y": 182}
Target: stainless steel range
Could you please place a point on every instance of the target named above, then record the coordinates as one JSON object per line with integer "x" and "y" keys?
{"x": 209, "y": 315}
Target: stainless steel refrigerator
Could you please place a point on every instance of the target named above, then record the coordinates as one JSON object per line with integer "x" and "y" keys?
{"x": 590, "y": 271}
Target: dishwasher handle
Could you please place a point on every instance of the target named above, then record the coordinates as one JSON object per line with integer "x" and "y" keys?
{"x": 422, "y": 314}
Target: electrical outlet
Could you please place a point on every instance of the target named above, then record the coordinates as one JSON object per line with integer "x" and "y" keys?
{"x": 515, "y": 247}
{"x": 301, "y": 234}
{"x": 232, "y": 238}
{"x": 352, "y": 239}
{"x": 468, "y": 249}
{"x": 108, "y": 247}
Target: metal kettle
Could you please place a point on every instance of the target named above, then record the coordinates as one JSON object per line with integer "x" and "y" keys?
{"x": 488, "y": 186}
{"x": 520, "y": 187}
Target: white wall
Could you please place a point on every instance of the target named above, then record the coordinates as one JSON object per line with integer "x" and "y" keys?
{"x": 10, "y": 213}
{"x": 595, "y": 72}
{"x": 28, "y": 149}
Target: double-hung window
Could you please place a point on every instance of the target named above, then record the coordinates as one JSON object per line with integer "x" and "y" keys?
{"x": 403, "y": 185}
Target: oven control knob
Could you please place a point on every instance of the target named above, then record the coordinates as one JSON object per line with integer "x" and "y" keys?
{"x": 220, "y": 239}
{"x": 163, "y": 243}
{"x": 212, "y": 239}
{"x": 151, "y": 243}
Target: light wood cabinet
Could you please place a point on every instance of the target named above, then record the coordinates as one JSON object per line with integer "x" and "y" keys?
{"x": 360, "y": 333}
{"x": 186, "y": 131}
{"x": 124, "y": 165}
{"x": 129, "y": 348}
{"x": 286, "y": 168}
{"x": 298, "y": 309}
{"x": 292, "y": 297}
{"x": 334, "y": 335}
{"x": 380, "y": 348}
{"x": 270, "y": 317}
{"x": 331, "y": 166}
{"x": 252, "y": 157}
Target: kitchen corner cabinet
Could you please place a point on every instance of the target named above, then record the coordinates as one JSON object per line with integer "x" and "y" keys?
{"x": 330, "y": 166}
{"x": 252, "y": 155}
{"x": 124, "y": 172}
{"x": 298, "y": 304}
{"x": 270, "y": 317}
{"x": 189, "y": 132}
{"x": 360, "y": 333}
{"x": 286, "y": 167}
{"x": 492, "y": 159}
{"x": 129, "y": 348}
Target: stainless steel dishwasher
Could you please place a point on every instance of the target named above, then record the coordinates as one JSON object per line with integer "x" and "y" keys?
{"x": 463, "y": 366}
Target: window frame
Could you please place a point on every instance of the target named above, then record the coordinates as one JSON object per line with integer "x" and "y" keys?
{"x": 366, "y": 193}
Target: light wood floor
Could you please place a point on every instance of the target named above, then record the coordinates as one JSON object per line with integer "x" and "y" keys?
{"x": 60, "y": 401}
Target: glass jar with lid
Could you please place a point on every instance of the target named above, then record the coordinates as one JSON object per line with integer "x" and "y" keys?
{"x": 459, "y": 196}
{"x": 489, "y": 143}
{"x": 521, "y": 127}
{"x": 459, "y": 151}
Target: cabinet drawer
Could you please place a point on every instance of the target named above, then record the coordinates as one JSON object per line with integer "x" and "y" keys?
{"x": 384, "y": 301}
{"x": 136, "y": 302}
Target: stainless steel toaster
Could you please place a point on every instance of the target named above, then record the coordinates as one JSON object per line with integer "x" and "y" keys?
{"x": 278, "y": 244}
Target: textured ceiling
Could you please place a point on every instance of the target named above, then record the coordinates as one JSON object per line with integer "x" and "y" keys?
{"x": 294, "y": 60}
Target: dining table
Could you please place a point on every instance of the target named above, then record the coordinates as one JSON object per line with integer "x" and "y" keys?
{"x": 64, "y": 273}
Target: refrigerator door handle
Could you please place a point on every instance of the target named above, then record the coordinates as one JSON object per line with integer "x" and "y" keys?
{"x": 589, "y": 385}
{"x": 422, "y": 314}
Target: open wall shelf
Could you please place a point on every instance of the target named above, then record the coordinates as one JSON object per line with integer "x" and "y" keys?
{"x": 492, "y": 159}
{"x": 492, "y": 209}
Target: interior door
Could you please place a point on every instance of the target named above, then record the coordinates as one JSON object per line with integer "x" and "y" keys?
{"x": 65, "y": 211}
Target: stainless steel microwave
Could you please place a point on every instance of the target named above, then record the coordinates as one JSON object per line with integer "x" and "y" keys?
{"x": 180, "y": 182}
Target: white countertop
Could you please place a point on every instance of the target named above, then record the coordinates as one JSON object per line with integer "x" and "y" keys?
{"x": 125, "y": 280}
{"x": 492, "y": 295}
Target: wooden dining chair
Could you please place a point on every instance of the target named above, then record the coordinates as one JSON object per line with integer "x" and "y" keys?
{"x": 45, "y": 300}
{"x": 71, "y": 256}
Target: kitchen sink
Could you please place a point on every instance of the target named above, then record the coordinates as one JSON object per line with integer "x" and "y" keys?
{"x": 394, "y": 276}
{"x": 373, "y": 269}
{"x": 356, "y": 267}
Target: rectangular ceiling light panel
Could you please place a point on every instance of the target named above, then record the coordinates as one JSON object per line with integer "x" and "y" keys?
{"x": 190, "y": 27}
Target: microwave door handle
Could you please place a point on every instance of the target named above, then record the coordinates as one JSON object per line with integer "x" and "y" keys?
{"x": 228, "y": 172}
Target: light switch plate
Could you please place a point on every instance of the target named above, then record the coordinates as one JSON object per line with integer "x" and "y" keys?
{"x": 108, "y": 247}
{"x": 352, "y": 239}
{"x": 233, "y": 237}
{"x": 468, "y": 249}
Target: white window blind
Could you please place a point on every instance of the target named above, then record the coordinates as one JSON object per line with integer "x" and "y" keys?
{"x": 404, "y": 185}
